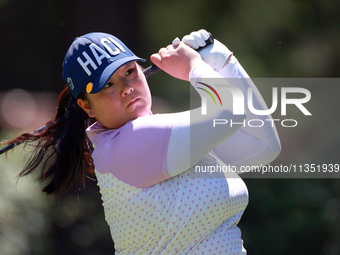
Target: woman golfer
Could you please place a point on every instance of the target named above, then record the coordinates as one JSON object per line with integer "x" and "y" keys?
{"x": 159, "y": 175}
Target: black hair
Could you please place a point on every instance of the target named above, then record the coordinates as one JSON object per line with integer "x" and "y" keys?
{"x": 62, "y": 151}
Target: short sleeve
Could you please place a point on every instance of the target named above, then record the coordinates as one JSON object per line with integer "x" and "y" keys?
{"x": 136, "y": 153}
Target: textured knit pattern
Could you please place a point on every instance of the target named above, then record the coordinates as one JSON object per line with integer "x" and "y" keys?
{"x": 191, "y": 213}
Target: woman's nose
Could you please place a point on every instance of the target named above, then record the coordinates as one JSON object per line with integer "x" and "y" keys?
{"x": 127, "y": 90}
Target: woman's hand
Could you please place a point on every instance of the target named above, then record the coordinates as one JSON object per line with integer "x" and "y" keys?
{"x": 176, "y": 61}
{"x": 217, "y": 55}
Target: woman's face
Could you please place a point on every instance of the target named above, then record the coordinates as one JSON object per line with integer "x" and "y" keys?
{"x": 125, "y": 97}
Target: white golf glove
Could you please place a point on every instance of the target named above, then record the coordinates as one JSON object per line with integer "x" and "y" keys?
{"x": 214, "y": 55}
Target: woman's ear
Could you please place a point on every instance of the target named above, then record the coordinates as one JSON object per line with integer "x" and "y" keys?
{"x": 84, "y": 104}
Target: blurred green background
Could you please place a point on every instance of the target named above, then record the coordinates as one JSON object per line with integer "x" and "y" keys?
{"x": 278, "y": 39}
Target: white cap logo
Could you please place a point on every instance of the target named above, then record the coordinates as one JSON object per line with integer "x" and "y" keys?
{"x": 99, "y": 54}
{"x": 70, "y": 83}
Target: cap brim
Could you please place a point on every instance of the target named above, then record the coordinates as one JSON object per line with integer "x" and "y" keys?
{"x": 102, "y": 79}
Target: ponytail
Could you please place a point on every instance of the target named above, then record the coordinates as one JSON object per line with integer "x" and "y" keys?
{"x": 62, "y": 150}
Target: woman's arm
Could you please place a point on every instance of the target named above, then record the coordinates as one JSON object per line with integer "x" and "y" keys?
{"x": 190, "y": 139}
{"x": 249, "y": 146}
{"x": 193, "y": 134}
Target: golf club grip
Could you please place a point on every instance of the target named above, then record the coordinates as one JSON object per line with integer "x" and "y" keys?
{"x": 154, "y": 69}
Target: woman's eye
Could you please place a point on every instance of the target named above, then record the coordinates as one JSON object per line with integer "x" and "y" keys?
{"x": 128, "y": 72}
{"x": 109, "y": 84}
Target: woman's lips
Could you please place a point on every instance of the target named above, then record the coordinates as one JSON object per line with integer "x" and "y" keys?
{"x": 132, "y": 101}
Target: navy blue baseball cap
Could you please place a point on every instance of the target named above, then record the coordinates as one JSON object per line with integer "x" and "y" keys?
{"x": 92, "y": 59}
